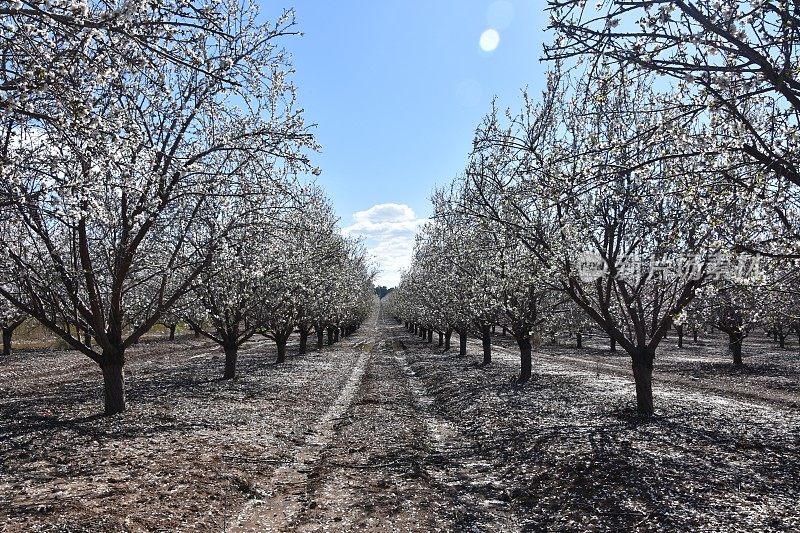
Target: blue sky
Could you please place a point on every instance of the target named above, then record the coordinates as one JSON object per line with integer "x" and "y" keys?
{"x": 397, "y": 89}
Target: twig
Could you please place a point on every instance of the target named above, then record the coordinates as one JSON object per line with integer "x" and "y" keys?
{"x": 376, "y": 465}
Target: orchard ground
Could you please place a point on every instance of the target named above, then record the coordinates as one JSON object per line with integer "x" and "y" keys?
{"x": 382, "y": 431}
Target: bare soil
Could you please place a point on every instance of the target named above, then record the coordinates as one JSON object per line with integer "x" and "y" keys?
{"x": 384, "y": 432}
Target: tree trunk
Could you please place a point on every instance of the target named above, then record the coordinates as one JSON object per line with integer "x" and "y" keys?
{"x": 87, "y": 338}
{"x": 486, "y": 339}
{"x": 335, "y": 334}
{"x": 694, "y": 334}
{"x": 578, "y": 340}
{"x": 330, "y": 336}
{"x": 7, "y": 334}
{"x": 447, "y": 335}
{"x": 441, "y": 339}
{"x": 505, "y": 331}
{"x": 679, "y": 331}
{"x": 430, "y": 335}
{"x": 320, "y": 338}
{"x": 231, "y": 354}
{"x": 280, "y": 342}
{"x": 782, "y": 340}
{"x": 303, "y": 341}
{"x": 642, "y": 363}
{"x": 462, "y": 342}
{"x": 524, "y": 359}
{"x": 172, "y": 331}
{"x": 613, "y": 344}
{"x": 735, "y": 339}
{"x": 114, "y": 387}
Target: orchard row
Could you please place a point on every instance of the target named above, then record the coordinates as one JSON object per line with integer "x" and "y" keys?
{"x": 665, "y": 137}
{"x": 151, "y": 171}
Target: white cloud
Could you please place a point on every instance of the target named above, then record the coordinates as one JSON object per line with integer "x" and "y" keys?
{"x": 388, "y": 231}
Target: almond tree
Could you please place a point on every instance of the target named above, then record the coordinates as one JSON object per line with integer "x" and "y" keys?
{"x": 620, "y": 198}
{"x": 249, "y": 261}
{"x": 780, "y": 301}
{"x": 493, "y": 201}
{"x": 732, "y": 309}
{"x": 617, "y": 194}
{"x": 10, "y": 319}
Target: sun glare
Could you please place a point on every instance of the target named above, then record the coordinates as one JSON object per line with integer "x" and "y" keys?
{"x": 489, "y": 40}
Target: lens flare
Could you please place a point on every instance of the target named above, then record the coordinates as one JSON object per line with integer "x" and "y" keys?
{"x": 489, "y": 40}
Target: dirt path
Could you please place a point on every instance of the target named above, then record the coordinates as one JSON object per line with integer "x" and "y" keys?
{"x": 378, "y": 461}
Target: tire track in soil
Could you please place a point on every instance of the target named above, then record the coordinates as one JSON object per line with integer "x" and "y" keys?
{"x": 282, "y": 497}
{"x": 381, "y": 460}
{"x": 373, "y": 476}
{"x": 459, "y": 468}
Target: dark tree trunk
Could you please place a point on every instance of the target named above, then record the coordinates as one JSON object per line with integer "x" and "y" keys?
{"x": 613, "y": 344}
{"x": 447, "y": 335}
{"x": 578, "y": 340}
{"x": 231, "y": 355}
{"x": 679, "y": 331}
{"x": 694, "y": 334}
{"x": 303, "y": 341}
{"x": 782, "y": 340}
{"x": 421, "y": 332}
{"x": 441, "y": 339}
{"x": 430, "y": 335}
{"x": 462, "y": 342}
{"x": 642, "y": 362}
{"x": 280, "y": 342}
{"x": 114, "y": 388}
{"x": 335, "y": 334}
{"x": 416, "y": 328}
{"x": 320, "y": 338}
{"x": 172, "y": 331}
{"x": 486, "y": 339}
{"x": 505, "y": 331}
{"x": 524, "y": 358}
{"x": 7, "y": 334}
{"x": 330, "y": 336}
{"x": 113, "y": 381}
{"x": 87, "y": 338}
{"x": 735, "y": 339}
